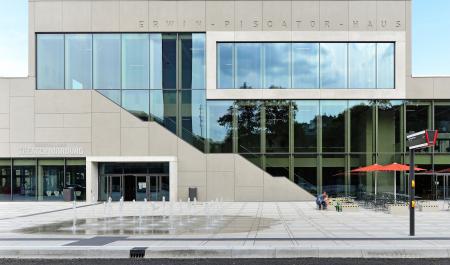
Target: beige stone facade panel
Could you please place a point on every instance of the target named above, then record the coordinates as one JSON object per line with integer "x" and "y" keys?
{"x": 362, "y": 15}
{"x": 191, "y": 15}
{"x": 192, "y": 178}
{"x": 82, "y": 120}
{"x": 333, "y": 15}
{"x": 249, "y": 194}
{"x": 77, "y": 16}
{"x": 248, "y": 15}
{"x": 134, "y": 141}
{"x": 134, "y": 16}
{"x": 63, "y": 101}
{"x": 102, "y": 104}
{"x": 161, "y": 141}
{"x": 163, "y": 16}
{"x": 4, "y": 120}
{"x": 5, "y": 150}
{"x": 305, "y": 15}
{"x": 220, "y": 185}
{"x": 4, "y": 95}
{"x": 391, "y": 15}
{"x": 4, "y": 135}
{"x": 49, "y": 120}
{"x": 190, "y": 158}
{"x": 277, "y": 15}
{"x": 220, "y": 162}
{"x": 22, "y": 119}
{"x": 246, "y": 173}
{"x": 220, "y": 15}
{"x": 106, "y": 16}
{"x": 106, "y": 133}
{"x": 22, "y": 87}
{"x": 48, "y": 16}
{"x": 62, "y": 135}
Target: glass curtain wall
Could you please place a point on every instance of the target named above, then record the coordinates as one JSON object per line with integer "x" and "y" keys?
{"x": 78, "y": 61}
{"x": 442, "y": 124}
{"x": 5, "y": 179}
{"x": 26, "y": 179}
{"x": 50, "y": 61}
{"x": 327, "y": 65}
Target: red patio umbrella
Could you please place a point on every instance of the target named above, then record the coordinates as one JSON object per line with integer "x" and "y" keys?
{"x": 394, "y": 167}
{"x": 371, "y": 168}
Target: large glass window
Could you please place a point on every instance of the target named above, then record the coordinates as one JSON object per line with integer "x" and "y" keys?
{"x": 76, "y": 177}
{"x": 333, "y": 125}
{"x": 24, "y": 180}
{"x": 5, "y": 179}
{"x": 362, "y": 72}
{"x": 333, "y": 65}
{"x": 248, "y": 65}
{"x": 333, "y": 175}
{"x": 220, "y": 126}
{"x": 442, "y": 124}
{"x": 225, "y": 65}
{"x": 136, "y": 102}
{"x": 389, "y": 126}
{"x": 135, "y": 61}
{"x": 193, "y": 61}
{"x": 305, "y": 172}
{"x": 163, "y": 108}
{"x": 385, "y": 65}
{"x": 361, "y": 126}
{"x": 305, "y": 114}
{"x": 51, "y": 179}
{"x": 50, "y": 61}
{"x": 277, "y": 126}
{"x": 305, "y": 65}
{"x": 169, "y": 61}
{"x": 107, "y": 61}
{"x": 417, "y": 118}
{"x": 193, "y": 113}
{"x": 277, "y": 165}
{"x": 78, "y": 61}
{"x": 277, "y": 62}
{"x": 249, "y": 126}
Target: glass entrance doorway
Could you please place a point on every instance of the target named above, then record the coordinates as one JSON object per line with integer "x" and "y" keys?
{"x": 136, "y": 187}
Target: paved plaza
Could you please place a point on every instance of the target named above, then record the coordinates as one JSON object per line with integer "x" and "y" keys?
{"x": 215, "y": 229}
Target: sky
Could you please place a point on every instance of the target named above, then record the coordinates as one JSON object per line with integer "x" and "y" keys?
{"x": 430, "y": 38}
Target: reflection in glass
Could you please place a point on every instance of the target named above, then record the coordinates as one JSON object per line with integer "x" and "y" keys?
{"x": 359, "y": 182}
{"x": 305, "y": 173}
{"x": 248, "y": 65}
{"x": 156, "y": 63}
{"x": 305, "y": 114}
{"x": 169, "y": 61}
{"x": 361, "y": 127}
{"x": 305, "y": 65}
{"x": 249, "y": 126}
{"x": 361, "y": 65}
{"x": 442, "y": 124}
{"x": 219, "y": 126}
{"x": 193, "y": 117}
{"x": 78, "y": 56}
{"x": 225, "y": 65}
{"x": 333, "y": 125}
{"x": 277, "y": 126}
{"x": 136, "y": 102}
{"x": 333, "y": 65}
{"x": 50, "y": 61}
{"x": 333, "y": 175}
{"x": 163, "y": 108}
{"x": 135, "y": 61}
{"x": 51, "y": 179}
{"x": 277, "y": 61}
{"x": 277, "y": 165}
{"x": 416, "y": 118}
{"x": 107, "y": 61}
{"x": 385, "y": 65}
{"x": 192, "y": 61}
{"x": 113, "y": 95}
{"x": 389, "y": 126}
{"x": 76, "y": 177}
{"x": 24, "y": 180}
{"x": 5, "y": 179}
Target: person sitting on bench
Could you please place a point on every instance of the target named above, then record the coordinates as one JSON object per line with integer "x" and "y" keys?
{"x": 322, "y": 201}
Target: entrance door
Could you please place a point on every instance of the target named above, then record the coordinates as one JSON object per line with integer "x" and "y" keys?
{"x": 129, "y": 188}
{"x": 115, "y": 184}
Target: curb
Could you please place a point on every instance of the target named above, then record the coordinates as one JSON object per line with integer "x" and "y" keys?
{"x": 217, "y": 252}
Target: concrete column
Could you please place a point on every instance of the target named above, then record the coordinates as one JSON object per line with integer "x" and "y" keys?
{"x": 91, "y": 182}
{"x": 173, "y": 181}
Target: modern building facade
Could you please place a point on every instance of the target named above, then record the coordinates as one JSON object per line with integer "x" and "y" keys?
{"x": 243, "y": 100}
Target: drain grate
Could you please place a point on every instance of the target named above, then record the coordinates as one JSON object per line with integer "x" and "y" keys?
{"x": 137, "y": 252}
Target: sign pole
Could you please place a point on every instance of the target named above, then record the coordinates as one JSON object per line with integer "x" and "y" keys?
{"x": 412, "y": 193}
